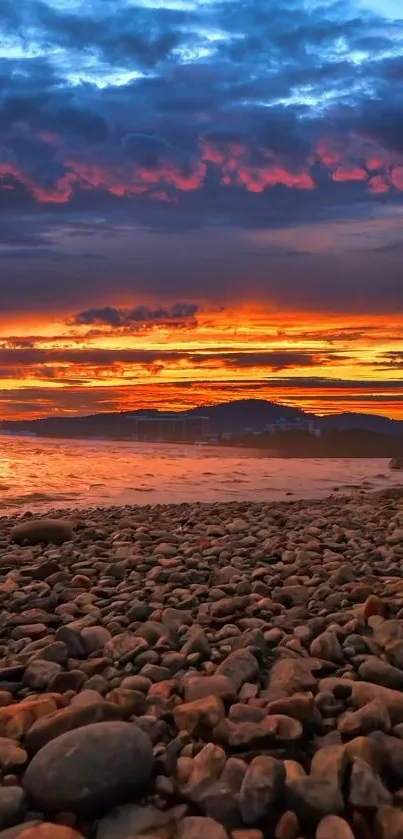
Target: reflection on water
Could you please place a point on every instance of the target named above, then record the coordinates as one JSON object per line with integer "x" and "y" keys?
{"x": 69, "y": 473}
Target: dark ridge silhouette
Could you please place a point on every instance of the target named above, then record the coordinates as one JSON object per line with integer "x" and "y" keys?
{"x": 239, "y": 418}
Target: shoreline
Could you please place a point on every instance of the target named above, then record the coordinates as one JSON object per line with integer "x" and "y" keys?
{"x": 230, "y": 670}
{"x": 42, "y": 504}
{"x": 341, "y": 494}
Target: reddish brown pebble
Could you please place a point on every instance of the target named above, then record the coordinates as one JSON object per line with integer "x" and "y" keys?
{"x": 44, "y": 830}
{"x": 81, "y": 581}
{"x": 389, "y": 822}
{"x": 374, "y": 606}
{"x": 287, "y": 826}
{"x": 49, "y": 531}
{"x": 247, "y": 834}
{"x": 360, "y": 593}
{"x": 333, "y": 827}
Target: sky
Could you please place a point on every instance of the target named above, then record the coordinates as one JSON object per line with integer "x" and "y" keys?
{"x": 201, "y": 201}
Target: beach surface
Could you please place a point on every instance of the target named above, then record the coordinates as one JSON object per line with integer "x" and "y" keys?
{"x": 230, "y": 671}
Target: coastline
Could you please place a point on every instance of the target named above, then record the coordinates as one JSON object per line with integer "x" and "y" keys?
{"x": 177, "y": 671}
{"x": 79, "y": 514}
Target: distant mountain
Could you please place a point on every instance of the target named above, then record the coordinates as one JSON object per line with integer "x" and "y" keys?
{"x": 367, "y": 422}
{"x": 247, "y": 413}
{"x": 235, "y": 417}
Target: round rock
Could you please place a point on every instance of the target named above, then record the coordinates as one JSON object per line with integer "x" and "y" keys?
{"x": 12, "y": 806}
{"x": 49, "y": 531}
{"x": 40, "y": 830}
{"x": 91, "y": 769}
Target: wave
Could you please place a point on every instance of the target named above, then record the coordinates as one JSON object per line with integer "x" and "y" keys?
{"x": 37, "y": 498}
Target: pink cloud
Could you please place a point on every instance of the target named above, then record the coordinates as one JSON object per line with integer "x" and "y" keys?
{"x": 396, "y": 176}
{"x": 348, "y": 159}
{"x": 349, "y": 173}
{"x": 378, "y": 185}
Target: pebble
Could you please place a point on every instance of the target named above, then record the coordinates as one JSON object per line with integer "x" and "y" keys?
{"x": 333, "y": 827}
{"x": 48, "y": 531}
{"x": 389, "y": 822}
{"x": 40, "y": 830}
{"x": 197, "y": 687}
{"x": 262, "y": 785}
{"x": 196, "y": 827}
{"x": 12, "y": 806}
{"x": 200, "y": 714}
{"x": 366, "y": 787}
{"x": 90, "y": 769}
{"x": 287, "y": 826}
{"x": 243, "y": 659}
{"x": 313, "y": 798}
{"x": 67, "y": 719}
{"x": 134, "y": 819}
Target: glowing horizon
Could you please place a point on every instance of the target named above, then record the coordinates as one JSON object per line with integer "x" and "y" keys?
{"x": 186, "y": 356}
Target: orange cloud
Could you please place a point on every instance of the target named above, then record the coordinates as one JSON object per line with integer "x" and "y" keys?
{"x": 322, "y": 363}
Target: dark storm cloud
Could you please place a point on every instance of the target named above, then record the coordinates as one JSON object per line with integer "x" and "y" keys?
{"x": 28, "y": 357}
{"x": 275, "y": 360}
{"x": 141, "y": 314}
{"x": 220, "y": 115}
{"x": 107, "y": 315}
{"x": 48, "y": 363}
{"x": 141, "y": 35}
{"x": 392, "y": 360}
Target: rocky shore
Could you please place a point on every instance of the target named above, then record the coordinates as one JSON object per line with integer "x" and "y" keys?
{"x": 223, "y": 671}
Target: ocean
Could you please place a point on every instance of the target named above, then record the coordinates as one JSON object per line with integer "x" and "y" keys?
{"x": 40, "y": 474}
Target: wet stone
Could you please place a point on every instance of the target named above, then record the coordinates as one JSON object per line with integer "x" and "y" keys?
{"x": 239, "y": 667}
{"x": 197, "y": 687}
{"x": 389, "y": 822}
{"x": 196, "y": 827}
{"x": 262, "y": 785}
{"x": 90, "y": 769}
{"x": 312, "y": 798}
{"x": 287, "y": 677}
{"x": 366, "y": 788}
{"x": 381, "y": 673}
{"x": 49, "y": 531}
{"x": 40, "y": 673}
{"x": 333, "y": 827}
{"x": 12, "y": 806}
{"x": 287, "y": 826}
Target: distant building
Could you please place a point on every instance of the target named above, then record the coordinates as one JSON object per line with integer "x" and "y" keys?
{"x": 167, "y": 427}
{"x": 283, "y": 425}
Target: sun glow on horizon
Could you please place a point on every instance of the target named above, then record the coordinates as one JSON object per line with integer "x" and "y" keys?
{"x": 321, "y": 363}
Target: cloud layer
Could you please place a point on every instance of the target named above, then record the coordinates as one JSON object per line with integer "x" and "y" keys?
{"x": 136, "y": 99}
{"x": 216, "y": 153}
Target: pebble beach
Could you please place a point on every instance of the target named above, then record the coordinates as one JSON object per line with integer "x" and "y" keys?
{"x": 203, "y": 671}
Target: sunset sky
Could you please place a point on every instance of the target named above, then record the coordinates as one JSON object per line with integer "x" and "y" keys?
{"x": 201, "y": 201}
